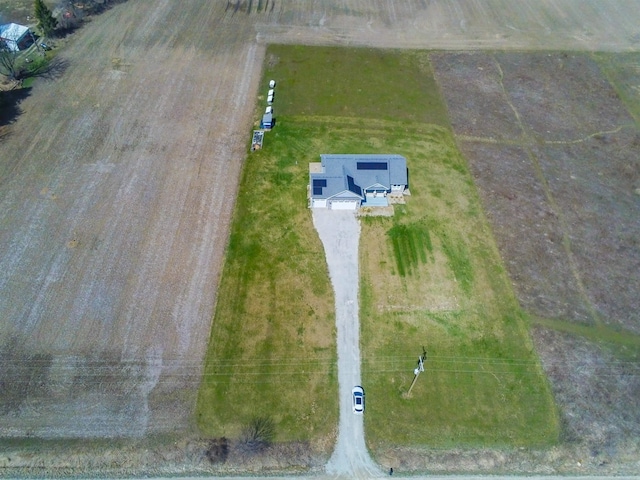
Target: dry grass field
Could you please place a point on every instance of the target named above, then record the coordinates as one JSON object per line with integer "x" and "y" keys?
{"x": 118, "y": 180}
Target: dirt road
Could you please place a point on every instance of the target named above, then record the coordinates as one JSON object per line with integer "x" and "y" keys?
{"x": 428, "y": 477}
{"x": 340, "y": 235}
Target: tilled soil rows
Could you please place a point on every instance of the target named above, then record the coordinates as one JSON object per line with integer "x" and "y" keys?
{"x": 118, "y": 183}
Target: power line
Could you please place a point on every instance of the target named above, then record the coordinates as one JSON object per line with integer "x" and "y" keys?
{"x": 177, "y": 361}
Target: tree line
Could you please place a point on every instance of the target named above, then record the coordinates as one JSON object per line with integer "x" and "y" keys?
{"x": 70, "y": 13}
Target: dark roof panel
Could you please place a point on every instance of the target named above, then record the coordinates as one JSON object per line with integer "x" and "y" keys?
{"x": 371, "y": 166}
{"x": 352, "y": 186}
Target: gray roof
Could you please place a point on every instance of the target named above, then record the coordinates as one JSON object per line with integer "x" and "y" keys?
{"x": 12, "y": 31}
{"x": 349, "y": 175}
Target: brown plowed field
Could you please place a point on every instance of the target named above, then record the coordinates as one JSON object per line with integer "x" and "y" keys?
{"x": 118, "y": 180}
{"x": 451, "y": 24}
{"x": 554, "y": 152}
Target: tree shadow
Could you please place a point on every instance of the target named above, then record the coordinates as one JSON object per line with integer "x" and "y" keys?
{"x": 95, "y": 7}
{"x": 10, "y": 100}
{"x": 63, "y": 32}
{"x": 52, "y": 70}
{"x": 10, "y": 105}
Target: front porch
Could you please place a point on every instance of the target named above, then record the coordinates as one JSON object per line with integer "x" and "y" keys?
{"x": 375, "y": 201}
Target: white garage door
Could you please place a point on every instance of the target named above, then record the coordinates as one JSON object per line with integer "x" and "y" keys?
{"x": 343, "y": 205}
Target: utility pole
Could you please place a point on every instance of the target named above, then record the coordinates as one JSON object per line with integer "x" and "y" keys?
{"x": 420, "y": 368}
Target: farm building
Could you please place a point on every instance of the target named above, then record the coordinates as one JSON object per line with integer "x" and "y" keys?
{"x": 341, "y": 182}
{"x": 15, "y": 37}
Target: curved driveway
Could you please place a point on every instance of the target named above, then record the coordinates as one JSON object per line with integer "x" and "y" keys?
{"x": 340, "y": 235}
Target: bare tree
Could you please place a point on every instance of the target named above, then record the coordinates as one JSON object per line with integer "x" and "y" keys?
{"x": 9, "y": 62}
{"x": 68, "y": 14}
{"x": 257, "y": 435}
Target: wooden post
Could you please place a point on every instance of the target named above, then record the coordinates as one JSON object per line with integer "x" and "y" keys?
{"x": 408, "y": 394}
{"x": 416, "y": 371}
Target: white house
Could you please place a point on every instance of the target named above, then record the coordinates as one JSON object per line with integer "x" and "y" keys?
{"x": 15, "y": 37}
{"x": 347, "y": 181}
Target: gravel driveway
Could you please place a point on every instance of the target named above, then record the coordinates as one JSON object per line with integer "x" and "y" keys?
{"x": 340, "y": 235}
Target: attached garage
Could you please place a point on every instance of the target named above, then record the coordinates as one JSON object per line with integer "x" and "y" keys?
{"x": 343, "y": 204}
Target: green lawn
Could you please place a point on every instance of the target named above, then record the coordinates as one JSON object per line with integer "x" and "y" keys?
{"x": 363, "y": 83}
{"x": 622, "y": 71}
{"x": 273, "y": 336}
{"x": 431, "y": 275}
